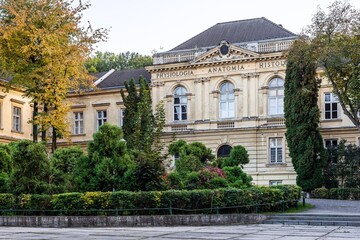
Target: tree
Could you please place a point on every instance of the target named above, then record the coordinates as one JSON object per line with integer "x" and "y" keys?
{"x": 5, "y": 167}
{"x": 139, "y": 122}
{"x": 43, "y": 48}
{"x": 302, "y": 116}
{"x": 335, "y": 36}
{"x": 105, "y": 61}
{"x": 63, "y": 163}
{"x": 31, "y": 168}
{"x": 238, "y": 156}
{"x": 107, "y": 163}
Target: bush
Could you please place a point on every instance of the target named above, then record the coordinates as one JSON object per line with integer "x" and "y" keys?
{"x": 174, "y": 180}
{"x": 224, "y": 200}
{"x": 238, "y": 157}
{"x": 322, "y": 193}
{"x": 236, "y": 177}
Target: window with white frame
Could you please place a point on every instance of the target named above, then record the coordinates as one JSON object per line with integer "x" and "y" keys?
{"x": 331, "y": 106}
{"x": 16, "y": 119}
{"x": 275, "y": 182}
{"x": 227, "y": 100}
{"x": 276, "y": 150}
{"x": 276, "y": 96}
{"x": 101, "y": 118}
{"x": 121, "y": 117}
{"x": 78, "y": 123}
{"x": 180, "y": 104}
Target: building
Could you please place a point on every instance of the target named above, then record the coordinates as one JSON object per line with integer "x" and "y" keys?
{"x": 223, "y": 87}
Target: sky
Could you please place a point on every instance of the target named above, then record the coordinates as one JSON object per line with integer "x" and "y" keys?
{"x": 146, "y": 25}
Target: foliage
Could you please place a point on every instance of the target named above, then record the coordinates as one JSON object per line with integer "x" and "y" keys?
{"x": 63, "y": 163}
{"x": 343, "y": 166}
{"x": 148, "y": 172}
{"x": 107, "y": 161}
{"x": 335, "y": 37}
{"x": 301, "y": 96}
{"x": 43, "y": 48}
{"x": 227, "y": 199}
{"x": 238, "y": 156}
{"x": 105, "y": 61}
{"x": 31, "y": 168}
{"x": 337, "y": 193}
{"x": 193, "y": 156}
{"x": 237, "y": 177}
{"x": 140, "y": 127}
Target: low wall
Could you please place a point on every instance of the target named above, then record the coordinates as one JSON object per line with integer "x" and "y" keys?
{"x": 130, "y": 221}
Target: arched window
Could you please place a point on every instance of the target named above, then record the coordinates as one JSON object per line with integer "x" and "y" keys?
{"x": 227, "y": 100}
{"x": 180, "y": 104}
{"x": 224, "y": 151}
{"x": 276, "y": 96}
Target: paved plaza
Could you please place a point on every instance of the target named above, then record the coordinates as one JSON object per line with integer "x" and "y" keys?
{"x": 251, "y": 232}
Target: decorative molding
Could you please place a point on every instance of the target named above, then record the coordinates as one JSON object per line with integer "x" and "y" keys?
{"x": 100, "y": 104}
{"x": 119, "y": 103}
{"x": 201, "y": 80}
{"x": 78, "y": 106}
{"x": 2, "y": 96}
{"x": 157, "y": 84}
{"x": 17, "y": 101}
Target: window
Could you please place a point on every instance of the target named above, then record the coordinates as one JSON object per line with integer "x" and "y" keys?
{"x": 276, "y": 151}
{"x": 227, "y": 100}
{"x": 121, "y": 117}
{"x": 78, "y": 123}
{"x": 275, "y": 182}
{"x": 17, "y": 119}
{"x": 180, "y": 104}
{"x": 224, "y": 151}
{"x": 331, "y": 145}
{"x": 101, "y": 118}
{"x": 276, "y": 96}
{"x": 331, "y": 106}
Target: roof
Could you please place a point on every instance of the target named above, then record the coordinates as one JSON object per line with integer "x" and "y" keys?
{"x": 241, "y": 31}
{"x": 116, "y": 79}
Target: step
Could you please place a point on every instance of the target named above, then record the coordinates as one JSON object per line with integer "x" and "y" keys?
{"x": 314, "y": 222}
{"x": 322, "y": 218}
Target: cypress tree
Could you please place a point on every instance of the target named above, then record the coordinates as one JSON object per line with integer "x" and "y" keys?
{"x": 302, "y": 116}
{"x": 130, "y": 113}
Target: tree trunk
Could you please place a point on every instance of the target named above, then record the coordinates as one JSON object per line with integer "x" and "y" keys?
{"x": 53, "y": 142}
{"x": 43, "y": 132}
{"x": 35, "y": 126}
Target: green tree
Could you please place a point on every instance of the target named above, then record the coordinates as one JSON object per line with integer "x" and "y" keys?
{"x": 335, "y": 37}
{"x": 238, "y": 157}
{"x": 139, "y": 122}
{"x": 105, "y": 61}
{"x": 31, "y": 168}
{"x": 43, "y": 48}
{"x": 5, "y": 167}
{"x": 63, "y": 163}
{"x": 302, "y": 116}
{"x": 107, "y": 163}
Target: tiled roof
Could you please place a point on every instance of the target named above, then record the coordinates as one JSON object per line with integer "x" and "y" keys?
{"x": 117, "y": 78}
{"x": 241, "y": 31}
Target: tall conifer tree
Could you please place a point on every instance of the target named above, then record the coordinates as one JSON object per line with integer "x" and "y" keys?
{"x": 302, "y": 116}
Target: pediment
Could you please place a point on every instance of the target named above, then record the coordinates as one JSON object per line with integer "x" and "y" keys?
{"x": 235, "y": 54}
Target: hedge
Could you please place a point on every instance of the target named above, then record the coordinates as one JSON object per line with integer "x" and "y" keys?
{"x": 337, "y": 193}
{"x": 226, "y": 200}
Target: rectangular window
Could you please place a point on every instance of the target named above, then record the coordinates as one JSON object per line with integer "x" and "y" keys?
{"x": 275, "y": 182}
{"x": 17, "y": 119}
{"x": 331, "y": 106}
{"x": 331, "y": 145}
{"x": 78, "y": 123}
{"x": 121, "y": 117}
{"x": 101, "y": 118}
{"x": 276, "y": 150}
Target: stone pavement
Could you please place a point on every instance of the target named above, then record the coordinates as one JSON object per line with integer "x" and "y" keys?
{"x": 249, "y": 232}
{"x": 330, "y": 206}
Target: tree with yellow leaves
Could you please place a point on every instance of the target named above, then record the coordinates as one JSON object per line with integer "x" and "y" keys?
{"x": 43, "y": 48}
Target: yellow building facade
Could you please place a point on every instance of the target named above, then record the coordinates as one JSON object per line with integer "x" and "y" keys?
{"x": 223, "y": 87}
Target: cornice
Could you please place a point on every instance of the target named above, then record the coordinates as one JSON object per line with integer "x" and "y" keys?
{"x": 190, "y": 65}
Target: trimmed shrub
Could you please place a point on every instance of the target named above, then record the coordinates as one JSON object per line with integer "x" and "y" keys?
{"x": 225, "y": 200}
{"x": 322, "y": 193}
